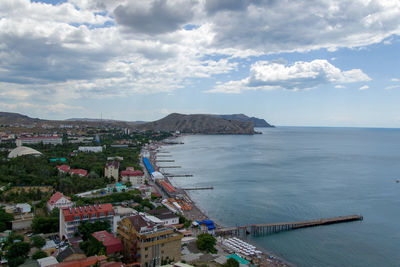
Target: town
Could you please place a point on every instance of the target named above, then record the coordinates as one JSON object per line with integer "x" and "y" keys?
{"x": 94, "y": 196}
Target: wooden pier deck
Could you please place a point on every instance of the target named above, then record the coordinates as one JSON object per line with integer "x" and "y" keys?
{"x": 178, "y": 175}
{"x": 165, "y": 160}
{"x": 160, "y": 167}
{"x": 262, "y": 229}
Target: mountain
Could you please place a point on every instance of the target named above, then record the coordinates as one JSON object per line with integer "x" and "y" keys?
{"x": 198, "y": 123}
{"x": 10, "y": 117}
{"x": 241, "y": 117}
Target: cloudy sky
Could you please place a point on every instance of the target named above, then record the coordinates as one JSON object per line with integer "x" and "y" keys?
{"x": 310, "y": 62}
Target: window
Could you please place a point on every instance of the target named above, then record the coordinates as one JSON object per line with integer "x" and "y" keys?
{"x": 76, "y": 218}
{"x": 146, "y": 248}
{"x": 102, "y": 214}
{"x": 86, "y": 216}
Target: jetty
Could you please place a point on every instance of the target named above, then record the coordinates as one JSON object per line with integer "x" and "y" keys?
{"x": 165, "y": 160}
{"x": 263, "y": 229}
{"x": 199, "y": 188}
{"x": 167, "y": 155}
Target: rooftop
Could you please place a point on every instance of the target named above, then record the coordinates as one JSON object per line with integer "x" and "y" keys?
{"x": 112, "y": 243}
{"x": 57, "y": 196}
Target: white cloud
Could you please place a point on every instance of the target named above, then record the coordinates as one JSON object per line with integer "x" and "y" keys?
{"x": 395, "y": 80}
{"x": 339, "y": 86}
{"x": 265, "y": 75}
{"x": 392, "y": 87}
{"x": 364, "y": 87}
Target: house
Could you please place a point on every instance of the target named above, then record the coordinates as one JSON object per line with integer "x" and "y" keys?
{"x": 79, "y": 172}
{"x": 71, "y": 254}
{"x": 111, "y": 170}
{"x": 23, "y": 208}
{"x": 71, "y": 218}
{"x": 148, "y": 243}
{"x": 113, "y": 245}
{"x": 132, "y": 176}
{"x": 58, "y": 200}
{"x": 165, "y": 215}
{"x": 63, "y": 169}
{"x": 120, "y": 213}
{"x": 50, "y": 247}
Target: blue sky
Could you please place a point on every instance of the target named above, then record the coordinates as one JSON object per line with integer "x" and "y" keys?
{"x": 303, "y": 63}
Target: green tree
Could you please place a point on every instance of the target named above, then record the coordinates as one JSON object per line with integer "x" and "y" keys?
{"x": 55, "y": 213}
{"x": 17, "y": 253}
{"x": 45, "y": 225}
{"x": 231, "y": 262}
{"x": 38, "y": 241}
{"x": 39, "y": 254}
{"x": 86, "y": 229}
{"x": 206, "y": 242}
{"x": 5, "y": 220}
{"x": 92, "y": 246}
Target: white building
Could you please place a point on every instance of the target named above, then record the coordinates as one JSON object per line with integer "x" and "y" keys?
{"x": 53, "y": 140}
{"x": 23, "y": 207}
{"x": 165, "y": 215}
{"x": 120, "y": 213}
{"x": 94, "y": 149}
{"x": 58, "y": 200}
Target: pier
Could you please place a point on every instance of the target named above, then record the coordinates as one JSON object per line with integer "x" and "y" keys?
{"x": 264, "y": 229}
{"x": 164, "y": 155}
{"x": 160, "y": 167}
{"x": 178, "y": 175}
{"x": 165, "y": 160}
{"x": 199, "y": 188}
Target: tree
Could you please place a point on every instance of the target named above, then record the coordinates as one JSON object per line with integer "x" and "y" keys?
{"x": 17, "y": 253}
{"x": 38, "y": 241}
{"x": 39, "y": 254}
{"x": 55, "y": 212}
{"x": 206, "y": 242}
{"x": 5, "y": 220}
{"x": 231, "y": 262}
{"x": 92, "y": 246}
{"x": 45, "y": 225}
{"x": 86, "y": 229}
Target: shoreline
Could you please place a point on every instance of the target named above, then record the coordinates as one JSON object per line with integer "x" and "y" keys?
{"x": 267, "y": 258}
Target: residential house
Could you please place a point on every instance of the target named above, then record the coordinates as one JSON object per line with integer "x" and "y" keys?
{"x": 71, "y": 254}
{"x": 165, "y": 215}
{"x": 58, "y": 200}
{"x": 53, "y": 140}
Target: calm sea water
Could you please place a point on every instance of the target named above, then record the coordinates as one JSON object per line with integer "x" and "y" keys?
{"x": 296, "y": 173}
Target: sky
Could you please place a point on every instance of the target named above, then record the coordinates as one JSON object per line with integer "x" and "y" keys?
{"x": 292, "y": 63}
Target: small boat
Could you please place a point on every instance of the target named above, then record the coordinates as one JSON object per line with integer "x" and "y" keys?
{"x": 397, "y": 181}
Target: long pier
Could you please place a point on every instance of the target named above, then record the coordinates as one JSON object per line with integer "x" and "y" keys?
{"x": 263, "y": 229}
{"x": 199, "y": 188}
{"x": 165, "y": 160}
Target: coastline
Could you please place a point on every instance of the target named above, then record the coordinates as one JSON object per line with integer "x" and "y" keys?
{"x": 195, "y": 213}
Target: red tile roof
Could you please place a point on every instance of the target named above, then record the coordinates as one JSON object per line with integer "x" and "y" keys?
{"x": 70, "y": 213}
{"x": 114, "y": 163}
{"x": 111, "y": 243}
{"x": 132, "y": 173}
{"x": 80, "y": 172}
{"x": 56, "y": 196}
{"x": 64, "y": 168}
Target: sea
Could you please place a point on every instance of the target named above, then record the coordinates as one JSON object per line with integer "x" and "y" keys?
{"x": 291, "y": 174}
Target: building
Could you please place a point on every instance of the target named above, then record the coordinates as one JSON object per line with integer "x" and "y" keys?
{"x": 89, "y": 261}
{"x": 79, "y": 172}
{"x": 113, "y": 245}
{"x": 94, "y": 149}
{"x": 23, "y": 208}
{"x": 132, "y": 176}
{"x": 53, "y": 140}
{"x": 50, "y": 247}
{"x": 23, "y": 151}
{"x": 63, "y": 169}
{"x": 58, "y": 200}
{"x": 111, "y": 170}
{"x": 207, "y": 226}
{"x": 48, "y": 261}
{"x": 148, "y": 243}
{"x": 71, "y": 218}
{"x": 165, "y": 215}
{"x": 117, "y": 187}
